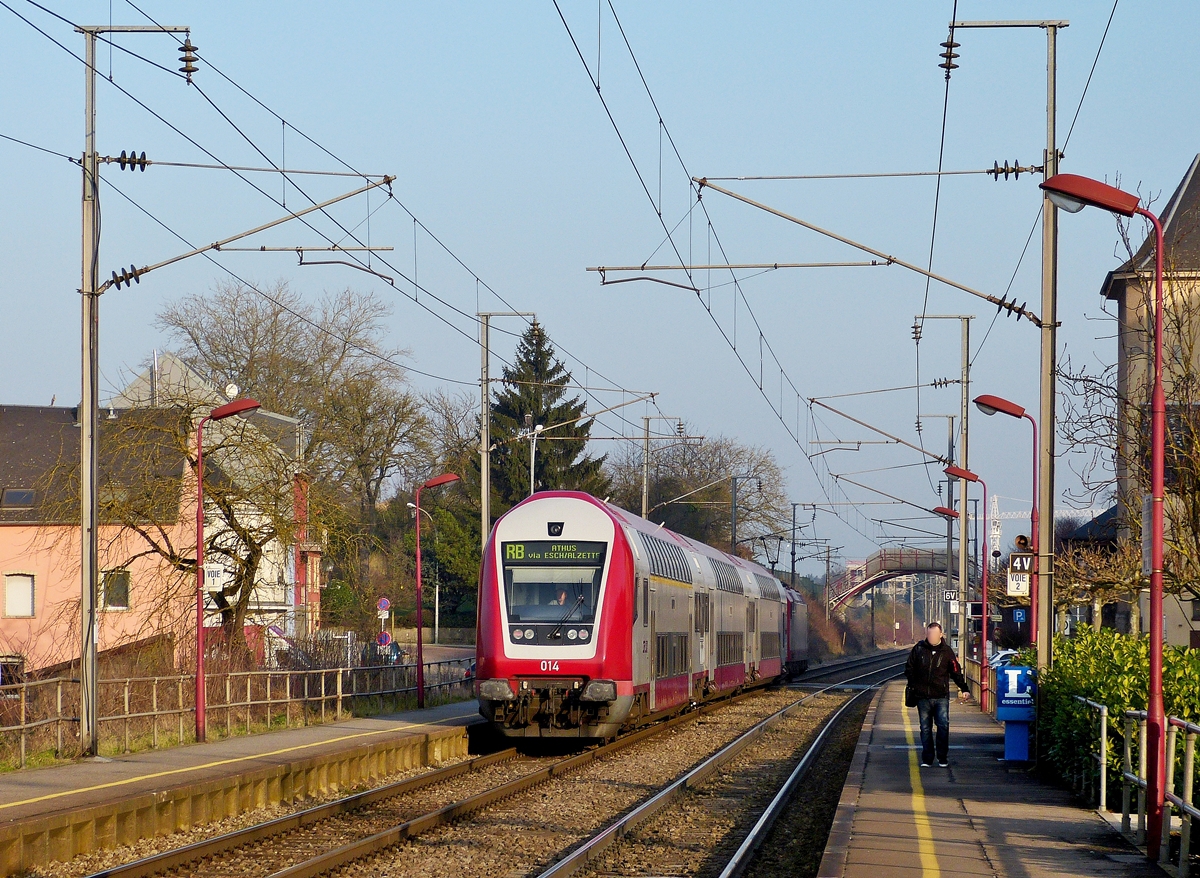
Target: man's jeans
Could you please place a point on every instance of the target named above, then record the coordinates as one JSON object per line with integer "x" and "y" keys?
{"x": 933, "y": 710}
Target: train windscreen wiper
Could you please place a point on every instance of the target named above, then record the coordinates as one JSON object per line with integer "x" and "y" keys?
{"x": 556, "y": 633}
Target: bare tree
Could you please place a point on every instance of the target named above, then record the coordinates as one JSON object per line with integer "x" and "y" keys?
{"x": 690, "y": 486}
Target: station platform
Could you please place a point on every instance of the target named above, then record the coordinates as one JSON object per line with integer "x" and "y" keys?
{"x": 57, "y": 812}
{"x": 977, "y": 817}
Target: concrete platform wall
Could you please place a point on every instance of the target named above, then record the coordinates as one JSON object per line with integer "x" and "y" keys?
{"x": 25, "y": 844}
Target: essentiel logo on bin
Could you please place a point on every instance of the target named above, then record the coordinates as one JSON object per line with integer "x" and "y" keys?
{"x": 1016, "y": 694}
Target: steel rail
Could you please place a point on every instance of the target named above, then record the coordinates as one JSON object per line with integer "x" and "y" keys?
{"x": 180, "y": 857}
{"x": 579, "y": 859}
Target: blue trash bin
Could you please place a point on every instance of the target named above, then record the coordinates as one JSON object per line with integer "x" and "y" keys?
{"x": 1016, "y": 699}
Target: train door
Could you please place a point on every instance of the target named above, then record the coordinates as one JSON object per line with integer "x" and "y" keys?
{"x": 653, "y": 641}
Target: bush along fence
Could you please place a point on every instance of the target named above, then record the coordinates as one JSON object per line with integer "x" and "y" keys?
{"x": 1104, "y": 669}
{"x": 39, "y": 720}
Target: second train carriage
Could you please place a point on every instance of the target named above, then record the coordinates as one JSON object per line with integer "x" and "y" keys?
{"x": 592, "y": 619}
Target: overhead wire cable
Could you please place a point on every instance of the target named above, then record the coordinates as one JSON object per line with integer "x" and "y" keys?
{"x": 1095, "y": 61}
{"x": 415, "y": 220}
{"x": 670, "y": 139}
{"x": 279, "y": 304}
{"x": 937, "y": 195}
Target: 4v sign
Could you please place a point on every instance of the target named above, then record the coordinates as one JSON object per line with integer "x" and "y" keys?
{"x": 1020, "y": 571}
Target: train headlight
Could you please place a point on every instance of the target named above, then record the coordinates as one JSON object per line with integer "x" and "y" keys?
{"x": 496, "y": 690}
{"x": 572, "y": 634}
{"x": 583, "y": 634}
{"x": 516, "y": 634}
{"x": 599, "y": 690}
{"x": 529, "y": 634}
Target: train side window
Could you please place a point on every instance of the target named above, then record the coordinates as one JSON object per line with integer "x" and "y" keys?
{"x": 645, "y": 602}
{"x": 635, "y": 599}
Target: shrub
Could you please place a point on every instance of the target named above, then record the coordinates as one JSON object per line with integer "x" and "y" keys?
{"x": 1111, "y": 669}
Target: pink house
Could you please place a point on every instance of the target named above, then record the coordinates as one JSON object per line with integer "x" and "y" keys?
{"x": 142, "y": 596}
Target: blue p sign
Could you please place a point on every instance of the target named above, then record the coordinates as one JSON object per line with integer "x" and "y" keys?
{"x": 1018, "y": 616}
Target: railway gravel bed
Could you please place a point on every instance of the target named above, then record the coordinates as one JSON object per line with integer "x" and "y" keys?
{"x": 528, "y": 832}
{"x": 796, "y": 842}
{"x": 698, "y": 834}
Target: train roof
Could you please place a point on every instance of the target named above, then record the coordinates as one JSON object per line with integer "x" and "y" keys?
{"x": 649, "y": 528}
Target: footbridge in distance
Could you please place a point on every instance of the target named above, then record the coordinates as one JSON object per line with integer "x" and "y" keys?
{"x": 884, "y": 565}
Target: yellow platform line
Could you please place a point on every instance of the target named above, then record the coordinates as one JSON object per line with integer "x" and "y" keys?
{"x": 172, "y": 771}
{"x": 929, "y": 862}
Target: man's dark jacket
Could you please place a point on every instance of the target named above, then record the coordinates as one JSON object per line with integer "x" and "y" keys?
{"x": 930, "y": 668}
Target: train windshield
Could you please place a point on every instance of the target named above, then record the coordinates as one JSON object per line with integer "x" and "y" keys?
{"x": 552, "y": 582}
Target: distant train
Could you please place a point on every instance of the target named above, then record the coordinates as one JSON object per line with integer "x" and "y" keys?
{"x": 593, "y": 620}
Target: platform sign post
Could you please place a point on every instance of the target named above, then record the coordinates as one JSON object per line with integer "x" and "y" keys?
{"x": 1020, "y": 572}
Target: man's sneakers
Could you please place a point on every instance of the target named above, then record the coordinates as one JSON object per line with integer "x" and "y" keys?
{"x": 925, "y": 765}
{"x": 943, "y": 765}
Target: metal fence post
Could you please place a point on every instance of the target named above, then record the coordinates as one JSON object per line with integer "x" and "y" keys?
{"x": 126, "y": 694}
{"x": 1185, "y": 834}
{"x": 339, "y": 694}
{"x": 1164, "y": 847}
{"x": 58, "y": 722}
{"x": 1104, "y": 757}
{"x": 179, "y": 694}
{"x": 1141, "y": 796}
{"x": 1127, "y": 768}
{"x": 24, "y": 689}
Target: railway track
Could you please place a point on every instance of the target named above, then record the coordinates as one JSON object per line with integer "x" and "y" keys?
{"x": 333, "y": 835}
{"x": 583, "y": 858}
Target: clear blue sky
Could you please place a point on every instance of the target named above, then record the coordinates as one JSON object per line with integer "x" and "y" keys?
{"x": 501, "y": 147}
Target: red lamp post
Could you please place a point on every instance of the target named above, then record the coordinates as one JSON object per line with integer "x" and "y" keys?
{"x": 957, "y": 472}
{"x": 990, "y": 405}
{"x": 1073, "y": 193}
{"x": 220, "y": 413}
{"x": 443, "y": 479}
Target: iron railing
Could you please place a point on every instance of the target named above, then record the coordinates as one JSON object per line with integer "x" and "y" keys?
{"x": 1178, "y": 788}
{"x": 150, "y": 712}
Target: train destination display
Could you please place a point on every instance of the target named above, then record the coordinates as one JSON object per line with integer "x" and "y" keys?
{"x": 555, "y": 552}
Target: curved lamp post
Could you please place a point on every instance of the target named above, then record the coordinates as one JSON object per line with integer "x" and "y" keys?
{"x": 220, "y": 413}
{"x": 951, "y": 516}
{"x": 957, "y": 472}
{"x": 1073, "y": 193}
{"x": 443, "y": 479}
{"x": 990, "y": 405}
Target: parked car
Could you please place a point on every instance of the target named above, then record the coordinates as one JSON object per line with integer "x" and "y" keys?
{"x": 1003, "y": 657}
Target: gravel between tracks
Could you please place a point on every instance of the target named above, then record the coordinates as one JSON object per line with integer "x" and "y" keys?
{"x": 528, "y": 832}
{"x": 698, "y": 834}
{"x": 797, "y": 841}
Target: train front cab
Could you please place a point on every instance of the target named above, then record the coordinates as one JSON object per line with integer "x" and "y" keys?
{"x": 555, "y": 621}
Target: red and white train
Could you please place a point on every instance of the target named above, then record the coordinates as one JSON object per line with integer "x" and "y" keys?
{"x": 593, "y": 620}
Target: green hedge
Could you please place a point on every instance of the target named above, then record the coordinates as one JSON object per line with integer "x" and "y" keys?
{"x": 1112, "y": 669}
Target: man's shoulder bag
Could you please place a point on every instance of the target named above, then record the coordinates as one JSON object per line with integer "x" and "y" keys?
{"x": 910, "y": 696}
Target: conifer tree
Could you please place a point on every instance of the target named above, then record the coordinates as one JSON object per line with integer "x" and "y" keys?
{"x": 536, "y": 385}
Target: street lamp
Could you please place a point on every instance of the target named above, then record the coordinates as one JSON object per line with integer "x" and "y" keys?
{"x": 1073, "y": 193}
{"x": 443, "y": 479}
{"x": 437, "y": 603}
{"x": 532, "y": 432}
{"x": 990, "y": 405}
{"x": 951, "y": 515}
{"x": 957, "y": 472}
{"x": 220, "y": 413}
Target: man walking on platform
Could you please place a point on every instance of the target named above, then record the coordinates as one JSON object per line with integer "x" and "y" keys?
{"x": 930, "y": 667}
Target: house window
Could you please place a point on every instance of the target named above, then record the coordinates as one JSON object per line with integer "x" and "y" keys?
{"x": 12, "y": 671}
{"x": 17, "y": 498}
{"x": 18, "y": 594}
{"x": 1196, "y": 611}
{"x": 115, "y": 590}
